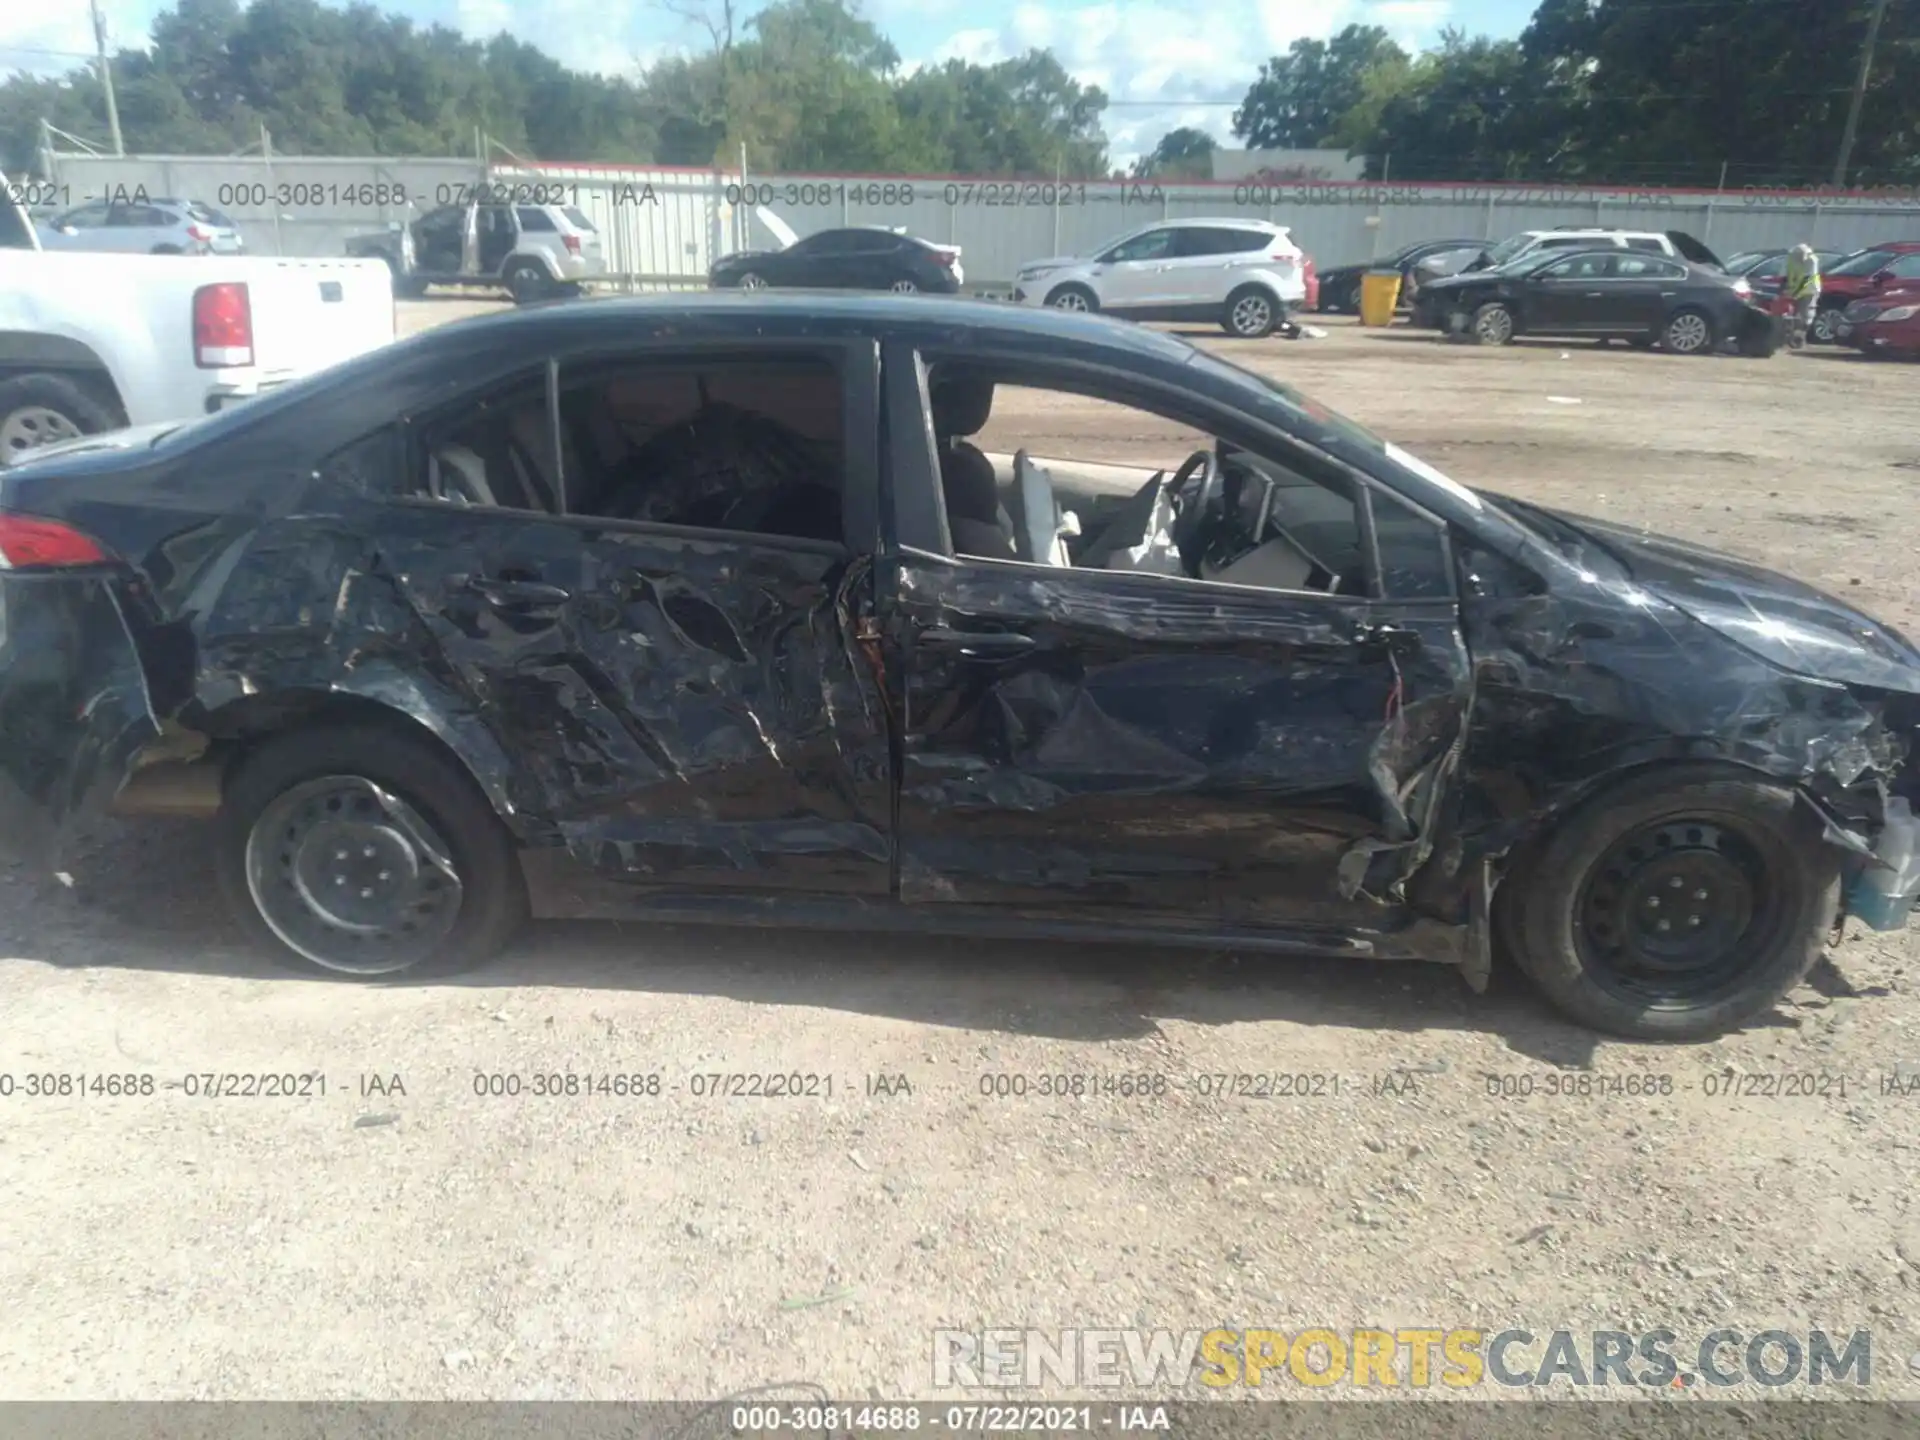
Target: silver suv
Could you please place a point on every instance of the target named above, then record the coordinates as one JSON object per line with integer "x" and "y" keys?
{"x": 143, "y": 227}
{"x": 535, "y": 251}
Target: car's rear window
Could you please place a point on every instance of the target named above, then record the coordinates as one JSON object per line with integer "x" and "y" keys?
{"x": 208, "y": 215}
{"x": 577, "y": 218}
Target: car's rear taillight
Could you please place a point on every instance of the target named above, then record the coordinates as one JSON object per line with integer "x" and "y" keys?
{"x": 28, "y": 543}
{"x": 222, "y": 326}
{"x": 572, "y": 242}
{"x": 947, "y": 257}
{"x": 1741, "y": 287}
{"x": 197, "y": 235}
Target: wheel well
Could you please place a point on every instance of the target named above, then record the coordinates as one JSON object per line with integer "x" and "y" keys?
{"x": 1065, "y": 285}
{"x": 29, "y": 353}
{"x": 236, "y": 728}
{"x": 521, "y": 258}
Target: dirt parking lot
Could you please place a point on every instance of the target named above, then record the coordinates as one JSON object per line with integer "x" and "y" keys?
{"x": 413, "y": 1239}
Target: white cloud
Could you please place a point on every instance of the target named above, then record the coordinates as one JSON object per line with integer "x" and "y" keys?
{"x": 976, "y": 47}
{"x": 1151, "y": 51}
{"x": 49, "y": 40}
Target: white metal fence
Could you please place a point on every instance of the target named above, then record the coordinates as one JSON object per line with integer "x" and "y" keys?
{"x": 666, "y": 226}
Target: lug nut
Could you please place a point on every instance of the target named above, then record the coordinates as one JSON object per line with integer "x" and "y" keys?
{"x": 366, "y": 894}
{"x": 1674, "y": 883}
{"x": 1666, "y": 925}
{"x": 1699, "y": 894}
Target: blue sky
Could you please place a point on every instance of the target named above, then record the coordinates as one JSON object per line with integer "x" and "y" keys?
{"x": 1164, "y": 61}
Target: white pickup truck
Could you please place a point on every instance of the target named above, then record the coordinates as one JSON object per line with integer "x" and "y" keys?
{"x": 93, "y": 342}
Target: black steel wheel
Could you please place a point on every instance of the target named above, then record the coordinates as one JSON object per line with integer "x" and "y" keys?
{"x": 1673, "y": 909}
{"x": 364, "y": 851}
{"x": 1677, "y": 905}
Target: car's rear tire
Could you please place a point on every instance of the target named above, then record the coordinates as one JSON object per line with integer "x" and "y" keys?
{"x": 1493, "y": 324}
{"x": 752, "y": 280}
{"x": 1677, "y": 905}
{"x": 362, "y": 851}
{"x": 905, "y": 285}
{"x": 528, "y": 281}
{"x": 1689, "y": 332}
{"x": 1073, "y": 297}
{"x": 166, "y": 250}
{"x": 44, "y": 409}
{"x": 1251, "y": 313}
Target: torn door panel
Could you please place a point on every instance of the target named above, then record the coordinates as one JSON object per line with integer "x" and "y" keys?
{"x": 1110, "y": 739}
{"x": 690, "y": 709}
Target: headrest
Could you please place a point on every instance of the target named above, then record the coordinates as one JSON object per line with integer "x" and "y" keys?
{"x": 961, "y": 400}
{"x": 972, "y": 489}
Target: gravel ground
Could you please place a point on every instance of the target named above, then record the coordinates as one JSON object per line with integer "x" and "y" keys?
{"x": 410, "y": 1239}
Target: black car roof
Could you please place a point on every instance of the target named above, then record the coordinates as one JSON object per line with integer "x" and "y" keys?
{"x": 725, "y": 314}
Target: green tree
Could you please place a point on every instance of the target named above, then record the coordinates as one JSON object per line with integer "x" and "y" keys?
{"x": 1300, "y": 98}
{"x": 1182, "y": 154}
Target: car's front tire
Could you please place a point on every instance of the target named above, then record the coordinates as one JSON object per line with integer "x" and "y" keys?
{"x": 1251, "y": 313}
{"x": 1492, "y": 324}
{"x": 1677, "y": 905}
{"x": 1077, "y": 298}
{"x": 1825, "y": 319}
{"x": 362, "y": 851}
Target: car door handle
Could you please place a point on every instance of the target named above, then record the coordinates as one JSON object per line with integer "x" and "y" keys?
{"x": 1595, "y": 294}
{"x": 517, "y": 594}
{"x": 976, "y": 642}
{"x": 1388, "y": 641}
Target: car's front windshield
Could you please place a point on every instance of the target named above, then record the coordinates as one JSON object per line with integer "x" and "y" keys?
{"x": 1340, "y": 436}
{"x": 1508, "y": 248}
{"x": 1534, "y": 260}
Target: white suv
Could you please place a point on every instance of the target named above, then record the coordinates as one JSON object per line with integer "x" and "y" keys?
{"x": 1244, "y": 274}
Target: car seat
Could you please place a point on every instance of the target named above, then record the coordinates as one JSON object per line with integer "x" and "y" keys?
{"x": 979, "y": 526}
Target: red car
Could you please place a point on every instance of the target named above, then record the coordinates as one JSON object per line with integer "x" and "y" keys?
{"x": 1887, "y": 324}
{"x": 1862, "y": 274}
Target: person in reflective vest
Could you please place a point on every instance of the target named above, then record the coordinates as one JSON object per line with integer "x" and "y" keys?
{"x": 1803, "y": 289}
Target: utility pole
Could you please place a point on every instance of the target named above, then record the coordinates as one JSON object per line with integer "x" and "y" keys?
{"x": 1859, "y": 94}
{"x": 106, "y": 75}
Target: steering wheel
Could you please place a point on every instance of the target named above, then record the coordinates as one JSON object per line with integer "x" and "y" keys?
{"x": 1197, "y": 488}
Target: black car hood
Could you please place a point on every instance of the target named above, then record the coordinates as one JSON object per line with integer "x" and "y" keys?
{"x": 1786, "y": 622}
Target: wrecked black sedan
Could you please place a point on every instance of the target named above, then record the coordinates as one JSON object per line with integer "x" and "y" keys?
{"x": 709, "y": 608}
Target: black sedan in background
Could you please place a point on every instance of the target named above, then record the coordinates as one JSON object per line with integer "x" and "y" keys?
{"x": 859, "y": 257}
{"x": 1340, "y": 286}
{"x": 1602, "y": 294}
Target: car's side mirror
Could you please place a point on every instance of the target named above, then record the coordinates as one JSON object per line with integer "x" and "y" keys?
{"x": 1882, "y": 277}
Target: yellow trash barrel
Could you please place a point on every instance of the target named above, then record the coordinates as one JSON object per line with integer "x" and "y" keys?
{"x": 1379, "y": 293}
